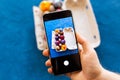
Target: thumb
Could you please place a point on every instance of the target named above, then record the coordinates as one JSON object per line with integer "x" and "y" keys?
{"x": 85, "y": 45}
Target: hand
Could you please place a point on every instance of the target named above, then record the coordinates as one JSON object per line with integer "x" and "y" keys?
{"x": 91, "y": 68}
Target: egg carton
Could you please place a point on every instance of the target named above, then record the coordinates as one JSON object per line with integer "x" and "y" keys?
{"x": 84, "y": 22}
{"x": 67, "y": 41}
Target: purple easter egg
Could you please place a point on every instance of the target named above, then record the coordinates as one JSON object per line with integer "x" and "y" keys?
{"x": 56, "y": 37}
{"x": 57, "y": 43}
{"x": 62, "y": 41}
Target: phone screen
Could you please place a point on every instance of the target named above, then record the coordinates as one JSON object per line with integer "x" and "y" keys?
{"x": 62, "y": 44}
{"x": 61, "y": 37}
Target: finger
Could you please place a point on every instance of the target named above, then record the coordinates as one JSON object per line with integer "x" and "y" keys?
{"x": 46, "y": 52}
{"x": 48, "y": 63}
{"x": 50, "y": 70}
{"x": 85, "y": 45}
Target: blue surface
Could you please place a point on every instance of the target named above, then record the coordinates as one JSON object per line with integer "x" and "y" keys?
{"x": 19, "y": 56}
{"x": 57, "y": 24}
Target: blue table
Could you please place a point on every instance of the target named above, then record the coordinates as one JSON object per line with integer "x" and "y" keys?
{"x": 21, "y": 60}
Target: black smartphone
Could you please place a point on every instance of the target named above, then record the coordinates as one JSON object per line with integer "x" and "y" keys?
{"x": 62, "y": 44}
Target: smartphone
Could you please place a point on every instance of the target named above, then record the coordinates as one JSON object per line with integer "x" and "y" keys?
{"x": 62, "y": 44}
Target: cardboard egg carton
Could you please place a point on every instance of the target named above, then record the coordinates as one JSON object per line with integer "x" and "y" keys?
{"x": 68, "y": 38}
{"x": 84, "y": 22}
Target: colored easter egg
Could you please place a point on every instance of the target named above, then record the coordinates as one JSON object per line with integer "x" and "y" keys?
{"x": 62, "y": 41}
{"x": 63, "y": 47}
{"x": 56, "y": 38}
{"x": 57, "y": 43}
{"x": 52, "y": 8}
{"x": 57, "y": 48}
{"x": 57, "y": 31}
{"x": 61, "y": 37}
{"x": 57, "y": 4}
{"x": 45, "y": 5}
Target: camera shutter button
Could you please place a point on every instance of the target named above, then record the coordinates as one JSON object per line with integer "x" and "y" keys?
{"x": 66, "y": 63}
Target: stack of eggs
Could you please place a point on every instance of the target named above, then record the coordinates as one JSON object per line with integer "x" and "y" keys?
{"x": 60, "y": 40}
{"x": 48, "y": 6}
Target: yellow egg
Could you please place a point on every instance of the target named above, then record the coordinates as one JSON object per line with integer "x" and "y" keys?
{"x": 45, "y": 5}
{"x": 63, "y": 47}
{"x": 57, "y": 31}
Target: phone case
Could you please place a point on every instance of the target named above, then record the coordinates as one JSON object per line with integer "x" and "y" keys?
{"x": 84, "y": 21}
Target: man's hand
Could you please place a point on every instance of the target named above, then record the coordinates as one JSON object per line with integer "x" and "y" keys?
{"x": 91, "y": 67}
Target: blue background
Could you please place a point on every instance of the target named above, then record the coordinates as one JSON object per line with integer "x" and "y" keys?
{"x": 57, "y": 24}
{"x": 21, "y": 60}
